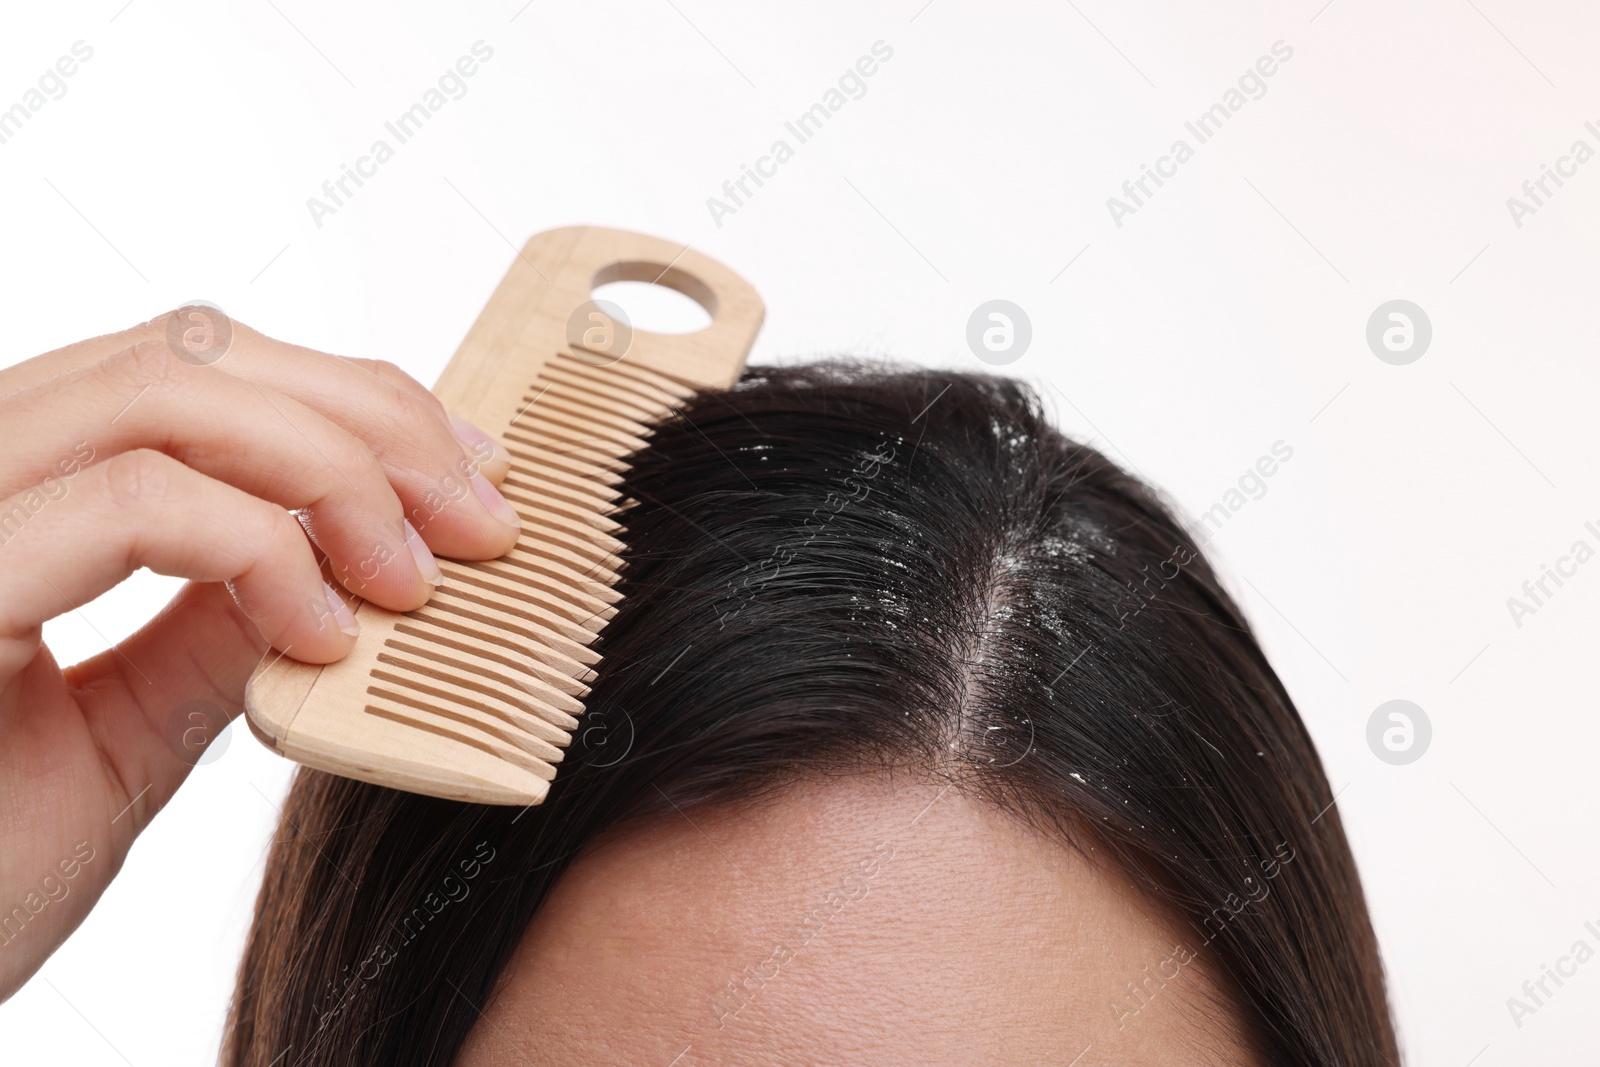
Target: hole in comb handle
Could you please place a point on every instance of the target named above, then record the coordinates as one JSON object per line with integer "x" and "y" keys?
{"x": 660, "y": 298}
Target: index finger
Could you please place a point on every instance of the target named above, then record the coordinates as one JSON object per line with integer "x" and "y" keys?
{"x": 445, "y": 470}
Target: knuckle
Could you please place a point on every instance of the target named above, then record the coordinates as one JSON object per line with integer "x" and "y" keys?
{"x": 403, "y": 426}
{"x": 414, "y": 414}
{"x": 279, "y": 528}
{"x": 412, "y": 395}
{"x": 389, "y": 371}
{"x": 348, "y": 453}
{"x": 263, "y": 533}
{"x": 150, "y": 330}
{"x": 141, "y": 476}
{"x": 197, "y": 333}
{"x": 149, "y": 364}
{"x": 163, "y": 325}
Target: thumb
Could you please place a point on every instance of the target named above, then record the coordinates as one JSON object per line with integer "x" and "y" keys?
{"x": 199, "y": 651}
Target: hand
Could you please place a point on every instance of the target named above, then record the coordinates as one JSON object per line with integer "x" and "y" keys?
{"x": 145, "y": 449}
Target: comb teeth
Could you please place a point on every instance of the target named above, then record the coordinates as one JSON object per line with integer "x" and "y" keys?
{"x": 498, "y": 658}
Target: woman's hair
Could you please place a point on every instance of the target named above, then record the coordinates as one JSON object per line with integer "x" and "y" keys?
{"x": 838, "y": 567}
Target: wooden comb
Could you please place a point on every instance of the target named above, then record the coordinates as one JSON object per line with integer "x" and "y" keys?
{"x": 474, "y": 695}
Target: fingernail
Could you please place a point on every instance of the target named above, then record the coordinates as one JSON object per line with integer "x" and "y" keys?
{"x": 341, "y": 614}
{"x": 479, "y": 444}
{"x": 425, "y": 561}
{"x": 494, "y": 501}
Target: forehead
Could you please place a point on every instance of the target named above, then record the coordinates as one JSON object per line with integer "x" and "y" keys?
{"x": 870, "y": 918}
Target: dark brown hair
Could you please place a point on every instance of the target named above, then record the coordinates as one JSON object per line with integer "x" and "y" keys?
{"x": 833, "y": 566}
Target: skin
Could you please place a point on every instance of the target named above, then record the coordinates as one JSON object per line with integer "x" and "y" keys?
{"x": 141, "y": 449}
{"x": 954, "y": 935}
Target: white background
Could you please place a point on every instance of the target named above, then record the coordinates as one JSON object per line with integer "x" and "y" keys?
{"x": 1225, "y": 315}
